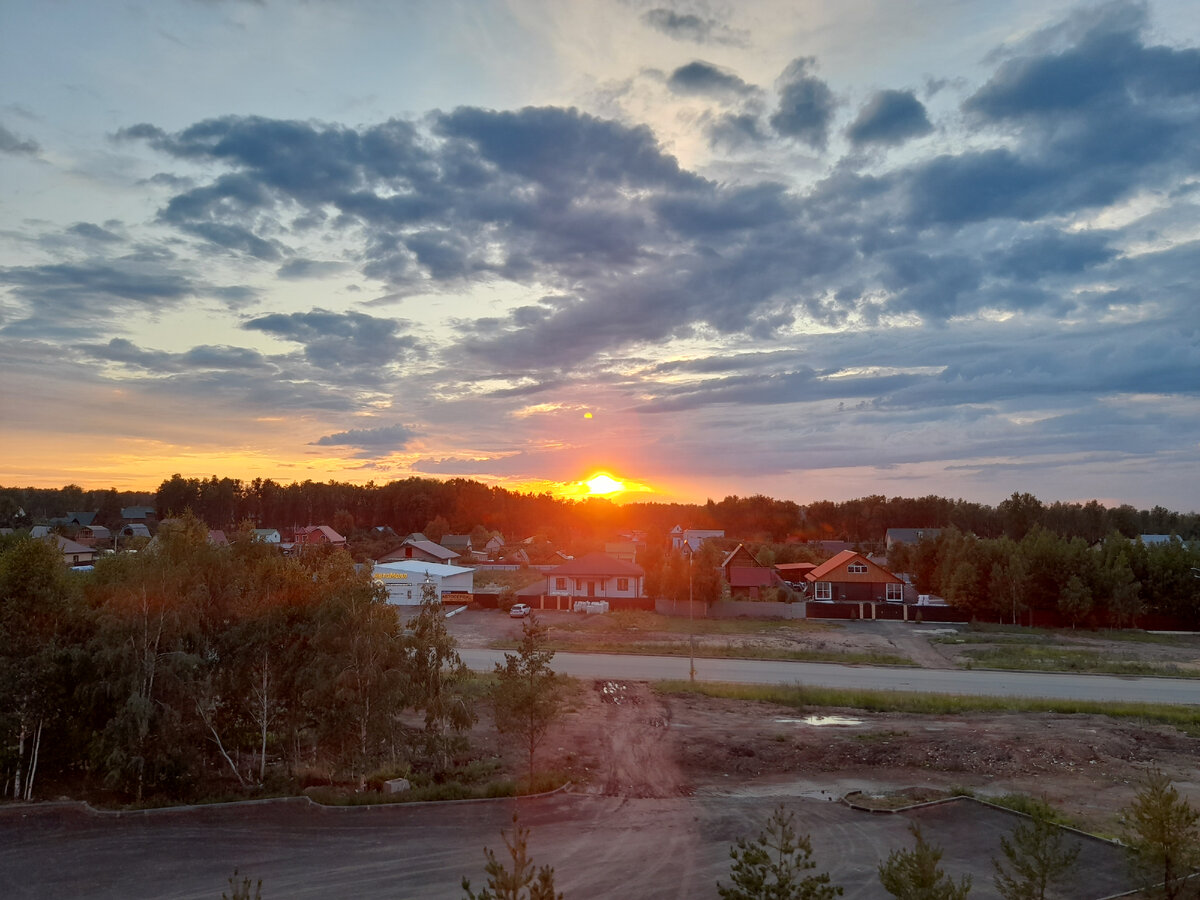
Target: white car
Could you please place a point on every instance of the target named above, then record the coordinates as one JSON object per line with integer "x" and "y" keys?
{"x": 519, "y": 611}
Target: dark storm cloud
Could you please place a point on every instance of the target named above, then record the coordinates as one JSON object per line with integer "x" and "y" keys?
{"x": 806, "y": 105}
{"x": 690, "y": 27}
{"x": 379, "y": 441}
{"x": 334, "y": 341}
{"x": 699, "y": 77}
{"x": 890, "y": 117}
{"x": 17, "y": 146}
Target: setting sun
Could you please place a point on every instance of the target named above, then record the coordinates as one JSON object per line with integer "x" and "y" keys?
{"x": 603, "y": 483}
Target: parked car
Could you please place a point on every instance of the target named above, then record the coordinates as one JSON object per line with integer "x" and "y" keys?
{"x": 519, "y": 610}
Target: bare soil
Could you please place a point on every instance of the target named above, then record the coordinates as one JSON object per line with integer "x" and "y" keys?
{"x": 624, "y": 739}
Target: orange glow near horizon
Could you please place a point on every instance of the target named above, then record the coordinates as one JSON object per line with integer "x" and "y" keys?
{"x": 602, "y": 483}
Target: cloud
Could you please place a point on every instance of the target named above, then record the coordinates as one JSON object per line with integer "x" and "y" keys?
{"x": 17, "y": 146}
{"x": 360, "y": 346}
{"x": 890, "y": 117}
{"x": 374, "y": 442}
{"x": 693, "y": 28}
{"x": 806, "y": 105}
{"x": 699, "y": 77}
{"x": 158, "y": 361}
{"x": 74, "y": 298}
{"x": 93, "y": 232}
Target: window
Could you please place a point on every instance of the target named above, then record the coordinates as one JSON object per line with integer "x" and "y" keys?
{"x": 824, "y": 591}
{"x": 857, "y": 568}
{"x": 895, "y": 593}
{"x": 622, "y": 584}
{"x": 560, "y": 584}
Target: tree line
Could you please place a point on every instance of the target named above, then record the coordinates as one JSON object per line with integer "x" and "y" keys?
{"x": 458, "y": 505}
{"x": 1116, "y": 583}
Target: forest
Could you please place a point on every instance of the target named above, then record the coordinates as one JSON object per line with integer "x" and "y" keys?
{"x": 458, "y": 505}
{"x": 189, "y": 669}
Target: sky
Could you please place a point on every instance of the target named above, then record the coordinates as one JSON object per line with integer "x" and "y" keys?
{"x": 810, "y": 250}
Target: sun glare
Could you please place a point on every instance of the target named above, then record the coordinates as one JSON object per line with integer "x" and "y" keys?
{"x": 602, "y": 483}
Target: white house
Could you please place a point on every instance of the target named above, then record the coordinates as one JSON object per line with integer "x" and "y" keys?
{"x": 595, "y": 576}
{"x": 267, "y": 535}
{"x": 693, "y": 538}
{"x": 403, "y": 581}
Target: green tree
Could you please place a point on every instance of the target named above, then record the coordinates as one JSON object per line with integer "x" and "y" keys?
{"x": 1075, "y": 601}
{"x": 1162, "y": 832}
{"x": 773, "y": 866}
{"x": 915, "y": 874}
{"x": 526, "y": 696}
{"x": 436, "y": 675}
{"x": 523, "y": 881}
{"x": 1036, "y": 859}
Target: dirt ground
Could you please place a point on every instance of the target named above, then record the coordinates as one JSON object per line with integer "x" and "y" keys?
{"x": 624, "y": 739}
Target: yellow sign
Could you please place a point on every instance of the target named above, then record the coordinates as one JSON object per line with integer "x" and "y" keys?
{"x": 390, "y": 576}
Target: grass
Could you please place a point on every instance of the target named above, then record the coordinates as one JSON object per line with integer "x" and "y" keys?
{"x": 985, "y": 633}
{"x": 1057, "y": 659}
{"x": 1185, "y": 718}
{"x": 729, "y": 651}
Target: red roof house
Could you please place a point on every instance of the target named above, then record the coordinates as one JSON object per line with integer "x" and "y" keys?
{"x": 852, "y": 578}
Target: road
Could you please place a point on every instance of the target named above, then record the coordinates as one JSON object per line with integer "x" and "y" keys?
{"x": 600, "y": 847}
{"x": 972, "y": 682}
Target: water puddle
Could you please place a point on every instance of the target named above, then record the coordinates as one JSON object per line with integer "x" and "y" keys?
{"x": 821, "y": 721}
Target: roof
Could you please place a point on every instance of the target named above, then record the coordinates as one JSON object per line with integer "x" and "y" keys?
{"x": 740, "y": 549}
{"x": 217, "y": 536}
{"x": 419, "y": 567}
{"x": 137, "y": 512}
{"x": 83, "y": 518}
{"x": 433, "y": 549}
{"x": 598, "y": 564}
{"x": 66, "y": 545}
{"x": 135, "y": 529}
{"x": 330, "y": 535}
{"x": 799, "y": 568}
{"x": 98, "y": 531}
{"x": 911, "y": 535}
{"x": 875, "y": 574}
{"x": 456, "y": 540}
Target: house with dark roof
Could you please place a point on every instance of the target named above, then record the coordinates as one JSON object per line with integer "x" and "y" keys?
{"x": 747, "y": 577}
{"x": 421, "y": 550}
{"x": 142, "y": 514}
{"x": 851, "y": 577}
{"x": 73, "y": 553}
{"x": 909, "y": 536}
{"x": 595, "y": 576}
{"x": 92, "y": 535}
{"x": 459, "y": 543}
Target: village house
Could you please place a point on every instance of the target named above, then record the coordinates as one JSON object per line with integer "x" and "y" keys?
{"x": 851, "y": 577}
{"x": 748, "y": 579}
{"x": 693, "y": 538}
{"x": 909, "y": 536}
{"x": 595, "y": 576}
{"x": 417, "y": 547}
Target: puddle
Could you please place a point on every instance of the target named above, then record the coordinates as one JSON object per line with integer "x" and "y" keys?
{"x": 820, "y": 721}
{"x": 935, "y": 631}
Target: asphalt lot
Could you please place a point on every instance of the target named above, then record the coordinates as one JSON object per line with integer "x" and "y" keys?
{"x": 599, "y": 847}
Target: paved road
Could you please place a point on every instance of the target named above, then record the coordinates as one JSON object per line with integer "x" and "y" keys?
{"x": 600, "y": 847}
{"x": 975, "y": 682}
